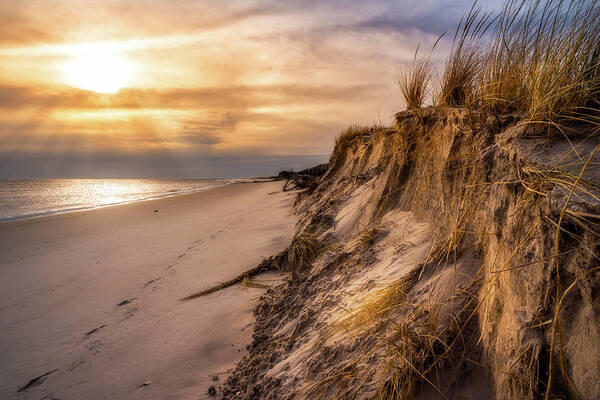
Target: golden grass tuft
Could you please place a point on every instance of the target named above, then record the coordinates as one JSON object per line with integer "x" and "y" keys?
{"x": 461, "y": 70}
{"x": 413, "y": 82}
{"x": 379, "y": 303}
{"x": 367, "y": 238}
{"x": 549, "y": 58}
{"x": 302, "y": 251}
{"x": 414, "y": 342}
{"x": 248, "y": 283}
{"x": 541, "y": 59}
{"x": 356, "y": 130}
{"x": 416, "y": 348}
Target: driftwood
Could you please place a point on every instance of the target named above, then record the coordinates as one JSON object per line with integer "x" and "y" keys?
{"x": 301, "y": 179}
{"x": 271, "y": 263}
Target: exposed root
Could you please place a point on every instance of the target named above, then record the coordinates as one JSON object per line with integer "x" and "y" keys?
{"x": 267, "y": 264}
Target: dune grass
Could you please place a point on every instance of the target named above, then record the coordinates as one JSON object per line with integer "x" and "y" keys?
{"x": 367, "y": 238}
{"x": 413, "y": 82}
{"x": 458, "y": 85}
{"x": 413, "y": 341}
{"x": 380, "y": 302}
{"x": 543, "y": 60}
{"x": 302, "y": 251}
{"x": 356, "y": 130}
{"x": 248, "y": 283}
{"x": 539, "y": 59}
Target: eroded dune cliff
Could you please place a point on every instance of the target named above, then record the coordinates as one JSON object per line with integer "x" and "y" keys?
{"x": 454, "y": 255}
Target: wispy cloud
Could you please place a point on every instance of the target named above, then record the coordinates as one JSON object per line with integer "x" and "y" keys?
{"x": 216, "y": 83}
{"x": 183, "y": 98}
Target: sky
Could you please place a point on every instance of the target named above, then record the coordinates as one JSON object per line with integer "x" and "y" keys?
{"x": 198, "y": 88}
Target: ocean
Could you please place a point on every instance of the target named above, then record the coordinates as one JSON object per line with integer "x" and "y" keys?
{"x": 28, "y": 198}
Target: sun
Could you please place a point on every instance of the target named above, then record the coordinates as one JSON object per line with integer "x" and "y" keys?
{"x": 99, "y": 70}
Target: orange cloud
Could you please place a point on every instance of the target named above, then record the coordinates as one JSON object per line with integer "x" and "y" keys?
{"x": 275, "y": 79}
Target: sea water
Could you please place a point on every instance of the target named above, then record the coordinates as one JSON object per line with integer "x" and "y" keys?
{"x": 28, "y": 198}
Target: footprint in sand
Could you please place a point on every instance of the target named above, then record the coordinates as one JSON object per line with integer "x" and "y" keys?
{"x": 130, "y": 312}
{"x": 49, "y": 397}
{"x": 153, "y": 281}
{"x": 76, "y": 364}
{"x": 95, "y": 346}
{"x": 95, "y": 330}
{"x": 125, "y": 302}
{"x": 36, "y": 381}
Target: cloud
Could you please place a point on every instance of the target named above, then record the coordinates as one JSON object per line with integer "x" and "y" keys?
{"x": 220, "y": 85}
{"x": 434, "y": 23}
{"x": 205, "y": 132}
{"x": 12, "y": 97}
{"x": 159, "y": 164}
{"x": 59, "y": 21}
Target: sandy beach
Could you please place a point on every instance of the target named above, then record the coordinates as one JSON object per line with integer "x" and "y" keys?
{"x": 89, "y": 301}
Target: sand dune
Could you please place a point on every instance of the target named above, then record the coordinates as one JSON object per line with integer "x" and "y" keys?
{"x": 89, "y": 302}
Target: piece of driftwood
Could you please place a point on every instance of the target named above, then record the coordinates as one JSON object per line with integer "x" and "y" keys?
{"x": 301, "y": 179}
{"x": 271, "y": 263}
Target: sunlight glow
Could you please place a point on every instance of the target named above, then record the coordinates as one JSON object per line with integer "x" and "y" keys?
{"x": 99, "y": 70}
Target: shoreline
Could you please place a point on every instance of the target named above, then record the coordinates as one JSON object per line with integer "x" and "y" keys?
{"x": 51, "y": 213}
{"x": 90, "y": 301}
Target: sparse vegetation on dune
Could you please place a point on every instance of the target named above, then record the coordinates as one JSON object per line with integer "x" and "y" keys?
{"x": 356, "y": 130}
{"x": 380, "y": 303}
{"x": 503, "y": 291}
{"x": 538, "y": 59}
{"x": 458, "y": 84}
{"x": 413, "y": 82}
{"x": 367, "y": 238}
{"x": 543, "y": 60}
{"x": 302, "y": 251}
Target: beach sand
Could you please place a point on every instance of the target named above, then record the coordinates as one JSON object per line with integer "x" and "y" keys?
{"x": 91, "y": 299}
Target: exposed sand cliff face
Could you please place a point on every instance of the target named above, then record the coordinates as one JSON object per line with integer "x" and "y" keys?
{"x": 448, "y": 244}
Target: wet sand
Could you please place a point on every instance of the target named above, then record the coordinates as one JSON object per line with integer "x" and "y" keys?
{"x": 89, "y": 301}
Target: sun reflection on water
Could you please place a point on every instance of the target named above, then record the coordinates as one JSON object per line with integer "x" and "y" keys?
{"x": 24, "y": 198}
